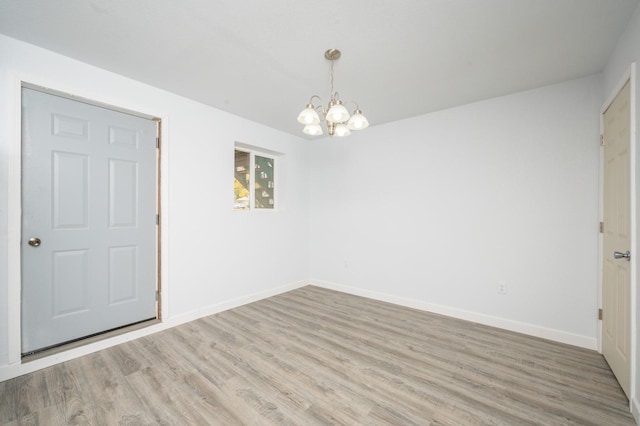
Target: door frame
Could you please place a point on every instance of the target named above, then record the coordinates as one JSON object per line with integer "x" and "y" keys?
{"x": 629, "y": 76}
{"x": 14, "y": 214}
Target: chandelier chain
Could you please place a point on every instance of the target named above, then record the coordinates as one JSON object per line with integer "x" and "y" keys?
{"x": 332, "y": 62}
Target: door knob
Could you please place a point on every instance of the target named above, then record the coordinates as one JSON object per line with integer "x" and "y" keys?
{"x": 620, "y": 255}
{"x": 34, "y": 242}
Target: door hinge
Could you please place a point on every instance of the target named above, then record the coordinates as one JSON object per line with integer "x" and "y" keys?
{"x": 157, "y": 294}
{"x": 600, "y": 314}
{"x": 157, "y": 219}
{"x": 602, "y": 227}
{"x": 601, "y": 140}
{"x": 158, "y": 142}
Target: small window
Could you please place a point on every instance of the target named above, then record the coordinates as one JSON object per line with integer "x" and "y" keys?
{"x": 254, "y": 181}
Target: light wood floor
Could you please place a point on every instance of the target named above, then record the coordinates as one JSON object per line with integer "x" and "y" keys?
{"x": 314, "y": 356}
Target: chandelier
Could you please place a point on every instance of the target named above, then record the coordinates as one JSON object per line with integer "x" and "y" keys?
{"x": 335, "y": 115}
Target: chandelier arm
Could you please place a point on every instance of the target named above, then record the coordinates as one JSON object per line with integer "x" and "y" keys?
{"x": 316, "y": 97}
{"x": 318, "y": 108}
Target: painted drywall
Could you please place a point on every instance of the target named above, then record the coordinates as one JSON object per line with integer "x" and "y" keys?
{"x": 438, "y": 209}
{"x": 627, "y": 51}
{"x": 212, "y": 255}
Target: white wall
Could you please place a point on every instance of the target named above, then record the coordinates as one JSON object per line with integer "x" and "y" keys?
{"x": 213, "y": 257}
{"x": 627, "y": 52}
{"x": 435, "y": 210}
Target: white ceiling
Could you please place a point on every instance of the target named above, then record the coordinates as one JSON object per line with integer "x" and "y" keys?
{"x": 264, "y": 59}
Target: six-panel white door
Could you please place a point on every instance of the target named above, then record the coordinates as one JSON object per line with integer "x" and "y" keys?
{"x": 88, "y": 220}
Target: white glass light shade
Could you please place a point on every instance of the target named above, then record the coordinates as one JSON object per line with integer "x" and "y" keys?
{"x": 312, "y": 130}
{"x": 342, "y": 130}
{"x": 309, "y": 116}
{"x": 358, "y": 121}
{"x": 337, "y": 113}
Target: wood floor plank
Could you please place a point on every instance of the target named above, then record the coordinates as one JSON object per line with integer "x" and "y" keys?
{"x": 71, "y": 399}
{"x": 210, "y": 401}
{"x": 162, "y": 397}
{"x": 24, "y": 396}
{"x": 317, "y": 357}
{"x": 117, "y": 403}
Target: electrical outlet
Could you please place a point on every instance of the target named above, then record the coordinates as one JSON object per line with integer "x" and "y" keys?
{"x": 502, "y": 287}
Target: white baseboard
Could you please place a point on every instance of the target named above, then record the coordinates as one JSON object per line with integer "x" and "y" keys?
{"x": 234, "y": 303}
{"x": 14, "y": 370}
{"x": 503, "y": 323}
{"x": 635, "y": 410}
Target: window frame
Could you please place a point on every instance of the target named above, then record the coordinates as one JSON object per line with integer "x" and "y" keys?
{"x": 269, "y": 155}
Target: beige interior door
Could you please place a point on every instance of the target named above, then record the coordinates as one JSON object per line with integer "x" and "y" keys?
{"x": 616, "y": 292}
